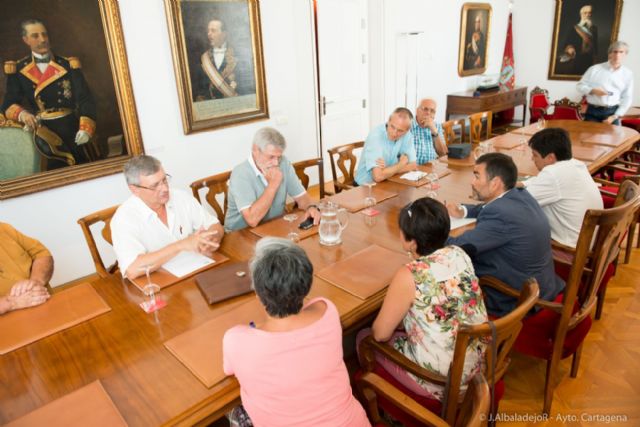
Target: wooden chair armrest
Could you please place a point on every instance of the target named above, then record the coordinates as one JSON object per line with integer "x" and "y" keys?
{"x": 368, "y": 346}
{"x": 499, "y": 286}
{"x": 614, "y": 166}
{"x": 606, "y": 182}
{"x": 389, "y": 392}
{"x": 503, "y": 288}
{"x": 607, "y": 193}
{"x": 564, "y": 248}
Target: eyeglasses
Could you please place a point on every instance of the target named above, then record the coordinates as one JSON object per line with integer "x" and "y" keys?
{"x": 428, "y": 110}
{"x": 155, "y": 187}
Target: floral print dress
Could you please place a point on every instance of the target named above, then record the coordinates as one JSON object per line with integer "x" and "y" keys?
{"x": 447, "y": 294}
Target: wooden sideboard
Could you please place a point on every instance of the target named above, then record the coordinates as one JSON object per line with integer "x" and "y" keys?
{"x": 464, "y": 103}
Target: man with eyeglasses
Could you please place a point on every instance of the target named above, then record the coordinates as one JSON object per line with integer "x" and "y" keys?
{"x": 427, "y": 133}
{"x": 259, "y": 186}
{"x": 388, "y": 149}
{"x": 156, "y": 223}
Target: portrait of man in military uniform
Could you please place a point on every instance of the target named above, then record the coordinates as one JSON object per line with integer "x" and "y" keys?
{"x": 48, "y": 94}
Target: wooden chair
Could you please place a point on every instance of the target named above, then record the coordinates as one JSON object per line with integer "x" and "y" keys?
{"x": 346, "y": 163}
{"x": 300, "y": 168}
{"x": 611, "y": 196}
{"x": 86, "y": 222}
{"x": 454, "y": 131}
{"x": 558, "y": 330}
{"x": 539, "y": 104}
{"x": 476, "y": 127}
{"x": 507, "y": 329}
{"x": 565, "y": 109}
{"x": 217, "y": 184}
{"x": 473, "y": 412}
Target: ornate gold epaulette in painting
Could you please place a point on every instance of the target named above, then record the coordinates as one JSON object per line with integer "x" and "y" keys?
{"x": 74, "y": 62}
{"x": 10, "y": 67}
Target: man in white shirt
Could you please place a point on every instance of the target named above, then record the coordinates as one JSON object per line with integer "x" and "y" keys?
{"x": 608, "y": 87}
{"x": 563, "y": 188}
{"x": 155, "y": 224}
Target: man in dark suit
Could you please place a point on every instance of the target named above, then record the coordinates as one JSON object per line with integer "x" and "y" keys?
{"x": 512, "y": 238}
{"x": 50, "y": 90}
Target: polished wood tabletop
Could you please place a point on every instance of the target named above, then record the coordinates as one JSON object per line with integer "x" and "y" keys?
{"x": 124, "y": 348}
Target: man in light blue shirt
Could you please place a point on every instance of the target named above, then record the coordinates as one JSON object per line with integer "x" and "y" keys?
{"x": 388, "y": 150}
{"x": 608, "y": 87}
{"x": 259, "y": 186}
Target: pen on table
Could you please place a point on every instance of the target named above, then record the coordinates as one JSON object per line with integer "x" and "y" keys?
{"x": 252, "y": 324}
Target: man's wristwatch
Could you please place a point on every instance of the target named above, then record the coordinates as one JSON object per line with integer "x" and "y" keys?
{"x": 312, "y": 206}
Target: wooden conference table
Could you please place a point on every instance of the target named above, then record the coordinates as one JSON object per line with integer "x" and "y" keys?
{"x": 124, "y": 347}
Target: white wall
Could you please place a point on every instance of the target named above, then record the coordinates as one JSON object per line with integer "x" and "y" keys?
{"x": 287, "y": 41}
{"x": 533, "y": 29}
{"x": 438, "y": 57}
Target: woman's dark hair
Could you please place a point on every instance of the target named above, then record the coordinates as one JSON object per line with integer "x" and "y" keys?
{"x": 282, "y": 274}
{"x": 427, "y": 222}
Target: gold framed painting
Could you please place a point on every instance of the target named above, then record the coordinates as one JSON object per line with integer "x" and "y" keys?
{"x": 217, "y": 56}
{"x": 475, "y": 28}
{"x": 582, "y": 32}
{"x": 68, "y": 112}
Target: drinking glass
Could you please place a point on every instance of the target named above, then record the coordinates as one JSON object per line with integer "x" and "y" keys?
{"x": 293, "y": 234}
{"x": 434, "y": 181}
{"x": 540, "y": 124}
{"x": 150, "y": 290}
{"x": 369, "y": 200}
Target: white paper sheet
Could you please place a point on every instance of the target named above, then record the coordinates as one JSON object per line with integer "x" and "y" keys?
{"x": 460, "y": 222}
{"x": 186, "y": 262}
{"x": 414, "y": 175}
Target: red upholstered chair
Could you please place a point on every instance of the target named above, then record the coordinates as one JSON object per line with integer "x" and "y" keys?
{"x": 507, "y": 329}
{"x": 558, "y": 330}
{"x": 473, "y": 412}
{"x": 565, "y": 109}
{"x": 632, "y": 122}
{"x": 625, "y": 165}
{"x": 538, "y": 104}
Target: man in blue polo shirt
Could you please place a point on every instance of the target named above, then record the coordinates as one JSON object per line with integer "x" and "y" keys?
{"x": 259, "y": 186}
{"x": 388, "y": 149}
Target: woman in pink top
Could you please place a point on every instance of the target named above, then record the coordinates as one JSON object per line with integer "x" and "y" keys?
{"x": 290, "y": 369}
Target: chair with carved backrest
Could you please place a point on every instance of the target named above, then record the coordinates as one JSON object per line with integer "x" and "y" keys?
{"x": 557, "y": 331}
{"x": 454, "y": 131}
{"x": 217, "y": 184}
{"x": 565, "y": 109}
{"x": 476, "y": 126}
{"x": 539, "y": 104}
{"x": 507, "y": 329}
{"x": 346, "y": 163}
{"x": 611, "y": 196}
{"x": 473, "y": 412}
{"x": 86, "y": 222}
{"x": 300, "y": 168}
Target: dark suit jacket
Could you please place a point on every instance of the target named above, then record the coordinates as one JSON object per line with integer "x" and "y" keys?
{"x": 511, "y": 241}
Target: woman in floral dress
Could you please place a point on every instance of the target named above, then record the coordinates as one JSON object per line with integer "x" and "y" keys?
{"x": 430, "y": 296}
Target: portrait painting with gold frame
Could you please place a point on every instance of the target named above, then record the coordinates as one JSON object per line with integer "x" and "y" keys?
{"x": 475, "y": 27}
{"x": 217, "y": 56}
{"x": 582, "y": 32}
{"x": 81, "y": 84}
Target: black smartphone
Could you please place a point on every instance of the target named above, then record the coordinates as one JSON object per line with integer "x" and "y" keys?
{"x": 306, "y": 224}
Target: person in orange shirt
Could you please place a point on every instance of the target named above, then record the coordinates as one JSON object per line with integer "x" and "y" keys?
{"x": 26, "y": 267}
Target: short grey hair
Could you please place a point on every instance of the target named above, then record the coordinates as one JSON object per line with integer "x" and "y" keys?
{"x": 23, "y": 25}
{"x": 402, "y": 112}
{"x": 282, "y": 275}
{"x": 140, "y": 166}
{"x": 617, "y": 45}
{"x": 269, "y": 136}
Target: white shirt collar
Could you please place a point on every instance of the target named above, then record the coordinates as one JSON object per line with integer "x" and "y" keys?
{"x": 256, "y": 170}
{"x": 149, "y": 213}
{"x": 40, "y": 56}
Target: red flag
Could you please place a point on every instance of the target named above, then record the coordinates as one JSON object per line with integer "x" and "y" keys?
{"x": 507, "y": 73}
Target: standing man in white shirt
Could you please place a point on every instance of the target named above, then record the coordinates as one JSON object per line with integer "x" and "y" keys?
{"x": 608, "y": 87}
{"x": 155, "y": 223}
{"x": 563, "y": 188}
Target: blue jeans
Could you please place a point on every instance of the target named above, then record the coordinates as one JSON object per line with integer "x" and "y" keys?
{"x": 598, "y": 114}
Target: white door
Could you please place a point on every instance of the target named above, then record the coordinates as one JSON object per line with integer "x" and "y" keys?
{"x": 344, "y": 73}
